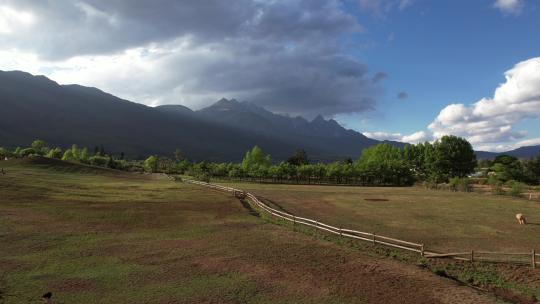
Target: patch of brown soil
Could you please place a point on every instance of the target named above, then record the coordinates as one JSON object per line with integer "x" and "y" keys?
{"x": 289, "y": 265}
{"x": 376, "y": 199}
{"x": 72, "y": 285}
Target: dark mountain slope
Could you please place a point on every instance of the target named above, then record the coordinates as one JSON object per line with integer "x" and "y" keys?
{"x": 36, "y": 107}
{"x": 319, "y": 134}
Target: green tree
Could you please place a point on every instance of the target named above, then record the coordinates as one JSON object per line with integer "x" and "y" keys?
{"x": 83, "y": 156}
{"x": 506, "y": 168}
{"x": 532, "y": 170}
{"x": 38, "y": 146}
{"x": 319, "y": 171}
{"x": 151, "y": 164}
{"x": 17, "y": 152}
{"x": 335, "y": 171}
{"x": 452, "y": 157}
{"x": 236, "y": 172}
{"x": 4, "y": 153}
{"x": 254, "y": 159}
{"x": 98, "y": 160}
{"x": 305, "y": 172}
{"x": 27, "y": 152}
{"x": 384, "y": 164}
{"x": 55, "y": 153}
{"x": 68, "y": 155}
{"x": 299, "y": 158}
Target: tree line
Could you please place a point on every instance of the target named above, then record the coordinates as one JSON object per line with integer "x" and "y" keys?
{"x": 449, "y": 160}
{"x": 379, "y": 165}
{"x": 99, "y": 157}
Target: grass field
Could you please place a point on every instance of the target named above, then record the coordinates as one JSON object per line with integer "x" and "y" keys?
{"x": 98, "y": 236}
{"x": 442, "y": 220}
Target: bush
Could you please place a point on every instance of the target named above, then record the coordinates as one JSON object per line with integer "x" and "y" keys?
{"x": 497, "y": 188}
{"x": 4, "y": 153}
{"x": 27, "y": 152}
{"x": 430, "y": 184}
{"x": 460, "y": 184}
{"x": 100, "y": 161}
{"x": 516, "y": 188}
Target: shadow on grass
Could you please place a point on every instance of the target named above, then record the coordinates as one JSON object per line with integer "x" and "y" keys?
{"x": 248, "y": 207}
{"x": 267, "y": 200}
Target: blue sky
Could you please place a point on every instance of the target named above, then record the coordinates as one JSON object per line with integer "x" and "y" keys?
{"x": 442, "y": 52}
{"x": 344, "y": 59}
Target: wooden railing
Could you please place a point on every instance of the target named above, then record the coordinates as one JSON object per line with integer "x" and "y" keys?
{"x": 297, "y": 220}
{"x": 531, "y": 258}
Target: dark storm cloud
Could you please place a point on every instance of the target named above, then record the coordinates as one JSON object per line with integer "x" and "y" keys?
{"x": 284, "y": 55}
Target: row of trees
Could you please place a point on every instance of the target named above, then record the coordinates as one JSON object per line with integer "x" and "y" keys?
{"x": 382, "y": 164}
{"x": 446, "y": 160}
{"x": 73, "y": 154}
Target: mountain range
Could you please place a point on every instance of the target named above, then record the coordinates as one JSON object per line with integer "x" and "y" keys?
{"x": 37, "y": 107}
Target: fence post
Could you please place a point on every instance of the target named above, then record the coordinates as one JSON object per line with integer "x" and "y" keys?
{"x": 340, "y": 232}
{"x": 472, "y": 256}
{"x": 422, "y": 250}
{"x": 373, "y": 235}
{"x": 534, "y": 259}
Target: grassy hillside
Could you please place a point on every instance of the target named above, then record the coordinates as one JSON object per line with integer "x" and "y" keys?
{"x": 100, "y": 236}
{"x": 442, "y": 220}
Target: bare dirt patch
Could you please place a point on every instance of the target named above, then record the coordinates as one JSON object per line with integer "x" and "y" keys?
{"x": 72, "y": 285}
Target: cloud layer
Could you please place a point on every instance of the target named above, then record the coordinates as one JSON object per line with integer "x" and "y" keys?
{"x": 287, "y": 56}
{"x": 489, "y": 123}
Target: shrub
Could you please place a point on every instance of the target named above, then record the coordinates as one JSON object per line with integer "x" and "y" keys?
{"x": 4, "y": 153}
{"x": 460, "y": 184}
{"x": 430, "y": 184}
{"x": 516, "y": 188}
{"x": 100, "y": 161}
{"x": 27, "y": 152}
{"x": 497, "y": 188}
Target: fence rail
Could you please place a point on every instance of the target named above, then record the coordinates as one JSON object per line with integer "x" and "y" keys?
{"x": 531, "y": 258}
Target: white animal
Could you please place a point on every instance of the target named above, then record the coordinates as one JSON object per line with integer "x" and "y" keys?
{"x": 521, "y": 219}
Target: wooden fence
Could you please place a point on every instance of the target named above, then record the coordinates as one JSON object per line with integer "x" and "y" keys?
{"x": 531, "y": 258}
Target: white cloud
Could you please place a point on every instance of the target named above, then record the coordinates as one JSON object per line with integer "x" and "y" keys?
{"x": 414, "y": 138}
{"x": 489, "y": 122}
{"x": 509, "y": 6}
{"x": 12, "y": 19}
{"x": 380, "y": 8}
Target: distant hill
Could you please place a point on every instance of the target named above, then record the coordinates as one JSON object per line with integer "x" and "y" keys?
{"x": 37, "y": 107}
{"x": 523, "y": 152}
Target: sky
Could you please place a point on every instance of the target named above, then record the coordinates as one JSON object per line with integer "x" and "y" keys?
{"x": 408, "y": 70}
